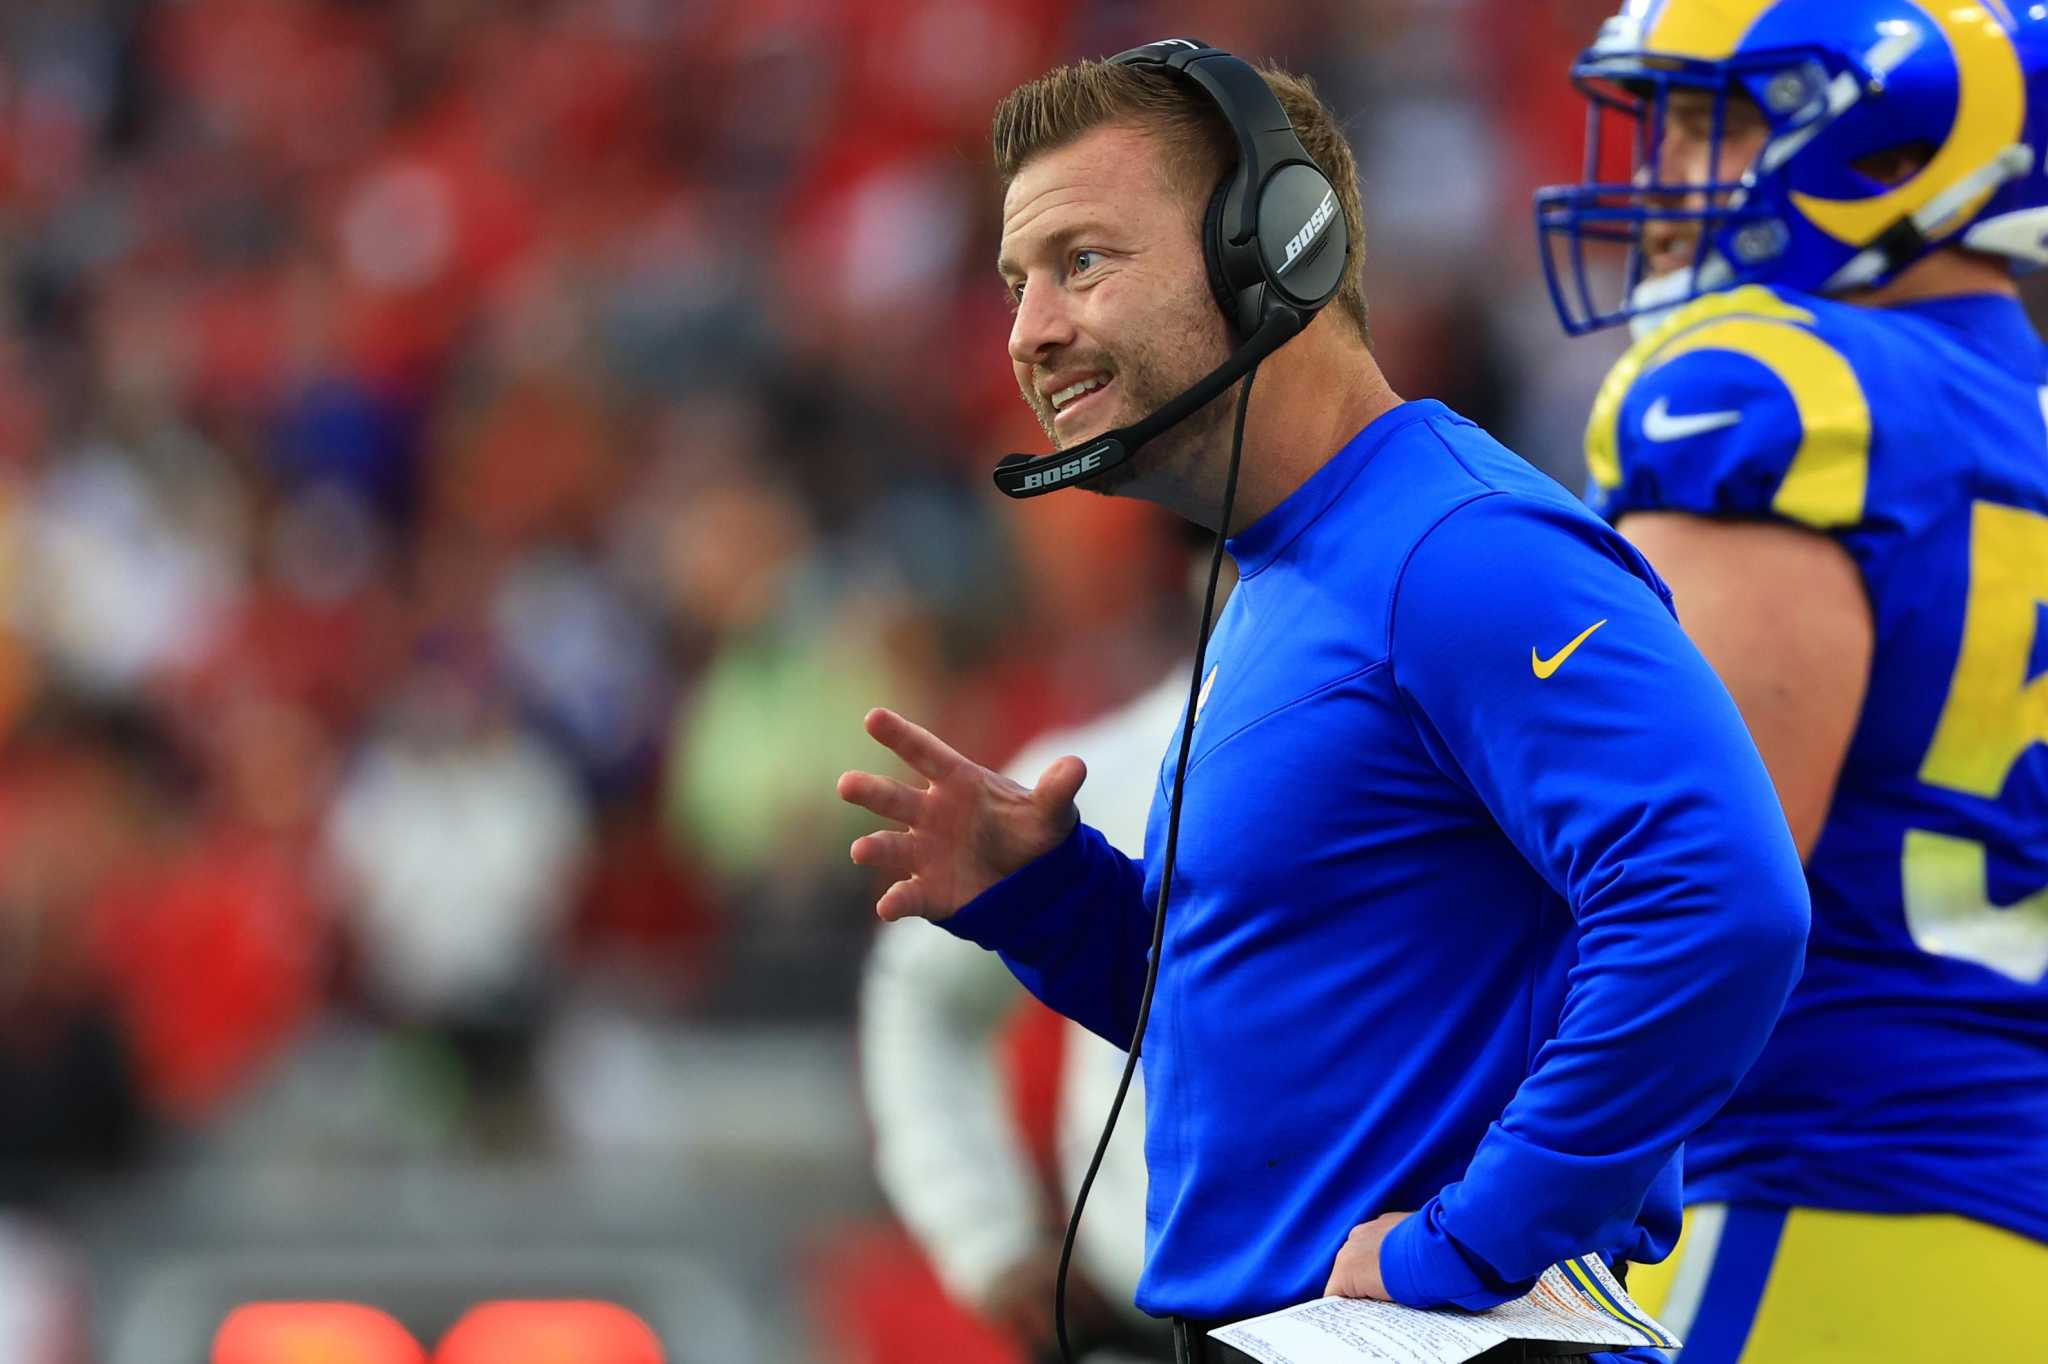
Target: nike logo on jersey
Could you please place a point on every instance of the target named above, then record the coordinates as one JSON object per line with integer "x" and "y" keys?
{"x": 1660, "y": 426}
{"x": 1203, "y": 699}
{"x": 1544, "y": 667}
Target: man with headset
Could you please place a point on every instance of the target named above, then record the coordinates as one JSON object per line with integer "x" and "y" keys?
{"x": 1485, "y": 900}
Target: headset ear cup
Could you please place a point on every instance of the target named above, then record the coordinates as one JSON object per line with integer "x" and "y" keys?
{"x": 1304, "y": 241}
{"x": 1212, "y": 254}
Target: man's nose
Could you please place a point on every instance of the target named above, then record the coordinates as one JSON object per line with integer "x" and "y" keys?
{"x": 1043, "y": 324}
{"x": 1679, "y": 173}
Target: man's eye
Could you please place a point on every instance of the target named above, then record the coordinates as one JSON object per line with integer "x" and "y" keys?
{"x": 1084, "y": 259}
{"x": 1744, "y": 121}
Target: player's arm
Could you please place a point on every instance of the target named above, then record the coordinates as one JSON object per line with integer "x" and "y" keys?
{"x": 1545, "y": 675}
{"x": 1728, "y": 452}
{"x": 1781, "y": 614}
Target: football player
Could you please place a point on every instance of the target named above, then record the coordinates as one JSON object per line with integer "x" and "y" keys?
{"x": 1829, "y": 438}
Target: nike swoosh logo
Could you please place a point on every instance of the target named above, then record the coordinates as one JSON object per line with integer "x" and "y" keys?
{"x": 1544, "y": 667}
{"x": 1660, "y": 426}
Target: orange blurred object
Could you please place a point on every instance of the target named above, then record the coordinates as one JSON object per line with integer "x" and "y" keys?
{"x": 313, "y": 1333}
{"x": 549, "y": 1333}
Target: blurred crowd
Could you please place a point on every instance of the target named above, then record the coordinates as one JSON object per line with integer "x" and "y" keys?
{"x": 467, "y": 465}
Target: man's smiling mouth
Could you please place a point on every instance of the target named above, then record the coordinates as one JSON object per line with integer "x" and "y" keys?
{"x": 1081, "y": 396}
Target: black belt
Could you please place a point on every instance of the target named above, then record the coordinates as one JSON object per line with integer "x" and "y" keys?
{"x": 1191, "y": 1343}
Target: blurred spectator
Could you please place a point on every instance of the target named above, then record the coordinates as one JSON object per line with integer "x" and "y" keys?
{"x": 86, "y": 799}
{"x": 215, "y": 945}
{"x": 794, "y": 661}
{"x": 130, "y": 571}
{"x": 586, "y": 663}
{"x": 458, "y": 839}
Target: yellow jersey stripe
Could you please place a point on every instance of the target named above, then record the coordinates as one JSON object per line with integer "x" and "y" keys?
{"x": 1603, "y": 428}
{"x": 1829, "y": 476}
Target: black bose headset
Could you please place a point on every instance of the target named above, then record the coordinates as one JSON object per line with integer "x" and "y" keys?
{"x": 1274, "y": 238}
{"x": 1276, "y": 243}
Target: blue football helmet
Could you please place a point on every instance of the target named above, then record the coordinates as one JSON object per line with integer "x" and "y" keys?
{"x": 1962, "y": 84}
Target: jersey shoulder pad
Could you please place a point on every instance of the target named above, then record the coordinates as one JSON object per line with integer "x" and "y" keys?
{"x": 1739, "y": 404}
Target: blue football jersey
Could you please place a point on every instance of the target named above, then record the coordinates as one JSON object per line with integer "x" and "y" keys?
{"x": 1910, "y": 1071}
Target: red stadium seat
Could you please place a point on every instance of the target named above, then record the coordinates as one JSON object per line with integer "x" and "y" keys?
{"x": 549, "y": 1333}
{"x": 306, "y": 1332}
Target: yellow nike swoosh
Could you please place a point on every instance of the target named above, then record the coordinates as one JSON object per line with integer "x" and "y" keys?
{"x": 1544, "y": 667}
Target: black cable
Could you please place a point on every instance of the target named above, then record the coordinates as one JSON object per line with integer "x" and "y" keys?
{"x": 1180, "y": 776}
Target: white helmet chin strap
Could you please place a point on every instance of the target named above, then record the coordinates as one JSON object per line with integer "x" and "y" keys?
{"x": 1656, "y": 299}
{"x": 2021, "y": 235}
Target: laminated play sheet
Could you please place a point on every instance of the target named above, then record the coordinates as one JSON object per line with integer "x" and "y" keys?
{"x": 1576, "y": 1305}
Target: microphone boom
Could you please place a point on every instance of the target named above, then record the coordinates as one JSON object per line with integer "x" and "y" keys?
{"x": 1036, "y": 475}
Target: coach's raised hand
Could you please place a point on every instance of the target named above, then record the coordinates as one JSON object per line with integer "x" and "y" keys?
{"x": 965, "y": 830}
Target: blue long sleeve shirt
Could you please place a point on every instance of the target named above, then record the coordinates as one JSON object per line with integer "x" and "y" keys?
{"x": 1484, "y": 898}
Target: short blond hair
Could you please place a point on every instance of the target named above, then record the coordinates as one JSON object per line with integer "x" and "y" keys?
{"x": 1068, "y": 101}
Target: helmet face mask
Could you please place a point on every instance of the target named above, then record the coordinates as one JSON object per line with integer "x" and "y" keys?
{"x": 1624, "y": 207}
{"x": 1840, "y": 88}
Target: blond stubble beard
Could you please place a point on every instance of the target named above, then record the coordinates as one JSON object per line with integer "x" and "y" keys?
{"x": 1149, "y": 379}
